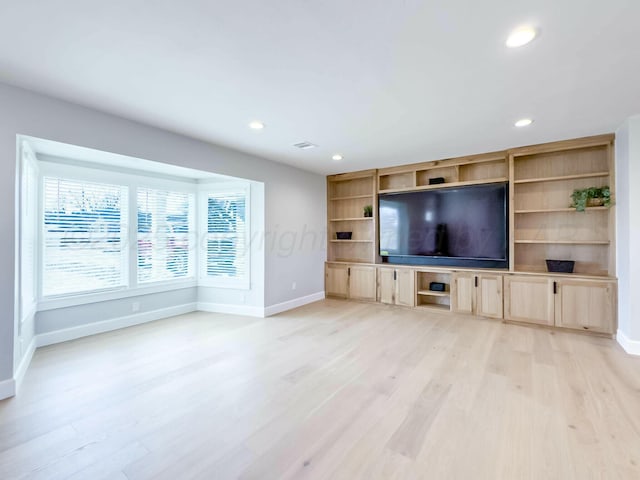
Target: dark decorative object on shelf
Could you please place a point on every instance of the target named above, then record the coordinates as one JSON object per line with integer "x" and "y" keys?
{"x": 560, "y": 266}
{"x": 343, "y": 235}
{"x": 436, "y": 286}
{"x": 436, "y": 180}
{"x": 368, "y": 211}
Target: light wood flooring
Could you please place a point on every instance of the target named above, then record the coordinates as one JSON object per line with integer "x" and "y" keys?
{"x": 333, "y": 390}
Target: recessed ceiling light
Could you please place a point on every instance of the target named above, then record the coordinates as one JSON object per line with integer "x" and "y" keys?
{"x": 523, "y": 122}
{"x": 521, "y": 36}
{"x": 256, "y": 125}
{"x": 336, "y": 157}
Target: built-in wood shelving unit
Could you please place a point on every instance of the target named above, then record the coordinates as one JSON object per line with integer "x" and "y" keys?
{"x": 348, "y": 194}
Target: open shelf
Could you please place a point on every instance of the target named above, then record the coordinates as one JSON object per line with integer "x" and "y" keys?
{"x": 563, "y": 177}
{"x": 352, "y": 219}
{"x": 568, "y": 209}
{"x": 433, "y": 294}
{"x": 565, "y": 242}
{"x": 351, "y": 197}
{"x": 351, "y": 241}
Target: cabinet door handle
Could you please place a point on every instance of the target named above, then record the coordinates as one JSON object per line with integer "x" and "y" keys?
{"x": 394, "y": 275}
{"x": 555, "y": 288}
{"x": 349, "y": 271}
{"x": 476, "y": 281}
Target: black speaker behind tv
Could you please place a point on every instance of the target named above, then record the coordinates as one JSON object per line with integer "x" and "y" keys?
{"x": 436, "y": 287}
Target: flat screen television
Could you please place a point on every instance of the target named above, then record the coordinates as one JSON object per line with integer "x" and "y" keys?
{"x": 457, "y": 226}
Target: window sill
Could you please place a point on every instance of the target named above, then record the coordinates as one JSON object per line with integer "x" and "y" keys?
{"x": 115, "y": 294}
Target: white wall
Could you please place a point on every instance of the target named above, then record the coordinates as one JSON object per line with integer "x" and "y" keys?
{"x": 294, "y": 199}
{"x": 628, "y": 233}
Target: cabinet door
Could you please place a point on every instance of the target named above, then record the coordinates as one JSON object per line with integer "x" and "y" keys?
{"x": 462, "y": 292}
{"x": 529, "y": 299}
{"x": 336, "y": 281}
{"x": 489, "y": 296}
{"x": 362, "y": 282}
{"x": 387, "y": 285}
{"x": 585, "y": 305}
{"x": 405, "y": 288}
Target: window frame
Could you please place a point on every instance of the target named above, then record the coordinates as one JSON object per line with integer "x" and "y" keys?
{"x": 205, "y": 280}
{"x": 131, "y": 181}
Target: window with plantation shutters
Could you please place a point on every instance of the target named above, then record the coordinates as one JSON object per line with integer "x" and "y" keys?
{"x": 84, "y": 234}
{"x": 226, "y": 249}
{"x": 163, "y": 235}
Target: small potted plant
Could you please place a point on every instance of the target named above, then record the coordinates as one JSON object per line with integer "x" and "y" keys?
{"x": 591, "y": 197}
{"x": 368, "y": 211}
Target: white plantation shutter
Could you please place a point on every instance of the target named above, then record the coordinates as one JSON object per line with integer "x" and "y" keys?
{"x": 163, "y": 240}
{"x": 227, "y": 236}
{"x": 84, "y": 227}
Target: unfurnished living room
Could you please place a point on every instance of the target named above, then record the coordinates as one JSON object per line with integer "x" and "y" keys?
{"x": 330, "y": 240}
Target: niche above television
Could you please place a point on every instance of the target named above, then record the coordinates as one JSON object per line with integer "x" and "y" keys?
{"x": 458, "y": 226}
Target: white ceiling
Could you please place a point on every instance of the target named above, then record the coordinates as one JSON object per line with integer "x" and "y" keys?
{"x": 384, "y": 82}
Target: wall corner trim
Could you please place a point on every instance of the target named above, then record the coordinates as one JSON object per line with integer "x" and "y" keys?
{"x": 24, "y": 363}
{"x": 632, "y": 347}
{"x": 7, "y": 388}
{"x": 290, "y": 304}
{"x": 64, "y": 335}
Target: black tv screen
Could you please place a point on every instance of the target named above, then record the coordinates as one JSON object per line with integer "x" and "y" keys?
{"x": 457, "y": 226}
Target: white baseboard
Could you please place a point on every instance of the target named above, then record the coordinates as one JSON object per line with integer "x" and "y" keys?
{"x": 295, "y": 303}
{"x": 24, "y": 363}
{"x": 632, "y": 347}
{"x": 7, "y": 388}
{"x": 58, "y": 336}
{"x": 231, "y": 309}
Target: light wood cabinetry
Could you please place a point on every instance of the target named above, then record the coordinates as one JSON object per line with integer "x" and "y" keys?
{"x": 578, "y": 304}
{"x": 477, "y": 293}
{"x": 544, "y": 226}
{"x": 336, "y": 283}
{"x": 529, "y": 299}
{"x": 353, "y": 281}
{"x": 362, "y": 282}
{"x": 347, "y": 195}
{"x": 396, "y": 286}
{"x": 585, "y": 305}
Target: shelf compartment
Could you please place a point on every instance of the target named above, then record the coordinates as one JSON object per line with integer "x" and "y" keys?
{"x": 351, "y": 188}
{"x": 450, "y": 175}
{"x": 429, "y": 298}
{"x": 562, "y": 227}
{"x": 397, "y": 180}
{"x": 447, "y": 185}
{"x": 551, "y": 195}
{"x": 590, "y": 259}
{"x": 582, "y": 162}
{"x": 478, "y": 171}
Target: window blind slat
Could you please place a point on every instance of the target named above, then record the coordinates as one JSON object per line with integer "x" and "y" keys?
{"x": 226, "y": 249}
{"x": 163, "y": 240}
{"x": 84, "y": 226}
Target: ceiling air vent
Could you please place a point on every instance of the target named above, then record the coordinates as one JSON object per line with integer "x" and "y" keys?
{"x": 304, "y": 145}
